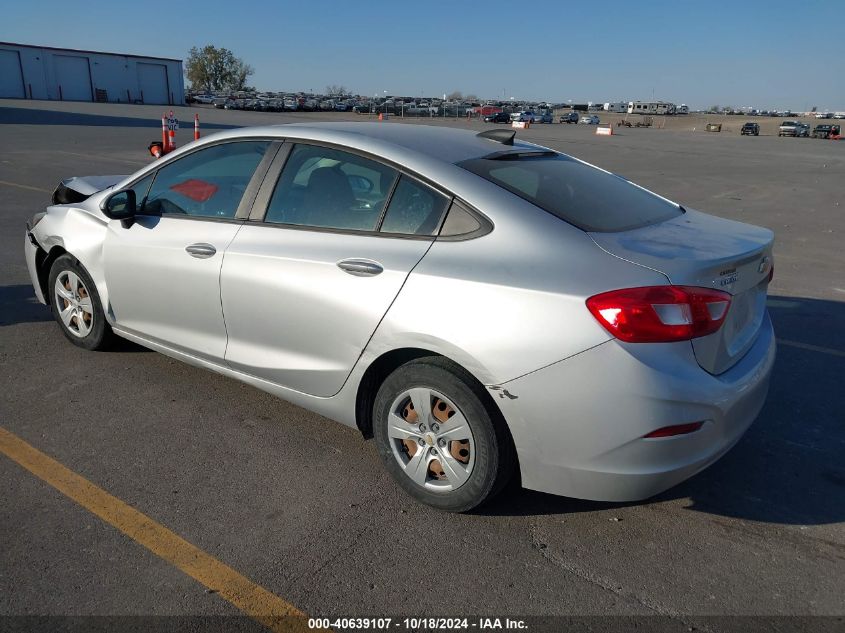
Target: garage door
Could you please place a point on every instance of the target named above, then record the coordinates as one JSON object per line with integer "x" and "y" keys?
{"x": 11, "y": 78}
{"x": 73, "y": 75}
{"x": 152, "y": 79}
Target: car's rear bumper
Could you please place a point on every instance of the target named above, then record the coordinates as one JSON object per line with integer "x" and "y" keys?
{"x": 31, "y": 251}
{"x": 579, "y": 425}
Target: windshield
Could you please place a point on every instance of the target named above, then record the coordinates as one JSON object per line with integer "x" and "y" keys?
{"x": 589, "y": 198}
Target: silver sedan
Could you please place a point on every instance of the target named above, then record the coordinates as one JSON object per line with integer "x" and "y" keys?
{"x": 485, "y": 308}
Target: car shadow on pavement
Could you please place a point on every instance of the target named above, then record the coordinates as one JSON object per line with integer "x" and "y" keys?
{"x": 19, "y": 305}
{"x": 32, "y": 116}
{"x": 789, "y": 466}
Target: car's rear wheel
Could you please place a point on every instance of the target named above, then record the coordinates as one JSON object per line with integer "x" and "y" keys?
{"x": 76, "y": 304}
{"x": 438, "y": 438}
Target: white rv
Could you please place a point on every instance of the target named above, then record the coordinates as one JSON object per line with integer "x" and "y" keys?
{"x": 651, "y": 107}
{"x": 616, "y": 107}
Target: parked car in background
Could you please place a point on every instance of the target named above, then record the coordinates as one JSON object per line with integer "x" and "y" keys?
{"x": 361, "y": 109}
{"x": 523, "y": 116}
{"x": 590, "y": 119}
{"x": 571, "y": 117}
{"x": 497, "y": 117}
{"x": 826, "y": 130}
{"x": 750, "y": 129}
{"x": 592, "y": 338}
{"x": 543, "y": 116}
{"x": 802, "y": 129}
{"x": 206, "y": 99}
{"x": 788, "y": 128}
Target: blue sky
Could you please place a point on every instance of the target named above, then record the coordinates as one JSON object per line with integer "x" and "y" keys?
{"x": 764, "y": 54}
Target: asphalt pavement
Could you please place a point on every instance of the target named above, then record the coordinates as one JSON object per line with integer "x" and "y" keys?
{"x": 301, "y": 506}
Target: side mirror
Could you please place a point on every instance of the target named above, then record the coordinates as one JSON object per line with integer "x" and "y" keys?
{"x": 120, "y": 205}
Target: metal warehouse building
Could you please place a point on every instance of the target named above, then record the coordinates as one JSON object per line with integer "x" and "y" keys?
{"x": 63, "y": 74}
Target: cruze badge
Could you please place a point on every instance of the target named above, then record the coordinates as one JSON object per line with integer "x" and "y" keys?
{"x": 727, "y": 277}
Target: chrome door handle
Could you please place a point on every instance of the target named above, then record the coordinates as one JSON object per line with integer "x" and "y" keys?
{"x": 201, "y": 250}
{"x": 360, "y": 267}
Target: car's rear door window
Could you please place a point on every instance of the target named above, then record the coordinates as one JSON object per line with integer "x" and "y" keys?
{"x": 328, "y": 188}
{"x": 587, "y": 197}
{"x": 414, "y": 209}
{"x": 207, "y": 183}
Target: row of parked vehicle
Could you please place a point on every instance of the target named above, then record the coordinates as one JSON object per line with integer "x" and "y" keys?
{"x": 529, "y": 116}
{"x": 265, "y": 103}
{"x": 796, "y": 128}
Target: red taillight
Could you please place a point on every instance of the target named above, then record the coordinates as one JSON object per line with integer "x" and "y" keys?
{"x": 677, "y": 429}
{"x": 660, "y": 314}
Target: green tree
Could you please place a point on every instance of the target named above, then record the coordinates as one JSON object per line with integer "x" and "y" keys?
{"x": 211, "y": 68}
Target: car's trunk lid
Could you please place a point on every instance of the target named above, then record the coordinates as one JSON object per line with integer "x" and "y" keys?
{"x": 695, "y": 249}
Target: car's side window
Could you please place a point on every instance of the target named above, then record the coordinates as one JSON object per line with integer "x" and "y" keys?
{"x": 414, "y": 209}
{"x": 329, "y": 188}
{"x": 207, "y": 183}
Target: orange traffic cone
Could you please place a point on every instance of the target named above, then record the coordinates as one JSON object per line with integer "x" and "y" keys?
{"x": 164, "y": 148}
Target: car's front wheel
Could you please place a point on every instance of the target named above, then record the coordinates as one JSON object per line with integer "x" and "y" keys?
{"x": 76, "y": 304}
{"x": 437, "y": 437}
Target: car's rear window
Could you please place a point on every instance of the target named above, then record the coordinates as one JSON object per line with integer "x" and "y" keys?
{"x": 589, "y": 198}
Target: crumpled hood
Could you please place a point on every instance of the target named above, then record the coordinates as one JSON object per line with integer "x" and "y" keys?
{"x": 87, "y": 185}
{"x": 78, "y": 188}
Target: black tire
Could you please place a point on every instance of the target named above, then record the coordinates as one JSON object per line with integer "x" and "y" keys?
{"x": 100, "y": 334}
{"x": 494, "y": 457}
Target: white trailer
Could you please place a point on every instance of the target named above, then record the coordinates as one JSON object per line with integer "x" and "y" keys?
{"x": 651, "y": 107}
{"x": 616, "y": 107}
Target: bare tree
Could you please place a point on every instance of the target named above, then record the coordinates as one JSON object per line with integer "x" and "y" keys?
{"x": 211, "y": 68}
{"x": 457, "y": 95}
{"x": 334, "y": 89}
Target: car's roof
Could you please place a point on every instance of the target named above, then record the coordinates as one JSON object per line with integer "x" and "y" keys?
{"x": 435, "y": 141}
{"x": 440, "y": 142}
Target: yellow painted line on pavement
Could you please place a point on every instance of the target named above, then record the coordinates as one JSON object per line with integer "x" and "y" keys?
{"x": 255, "y": 601}
{"x": 20, "y": 186}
